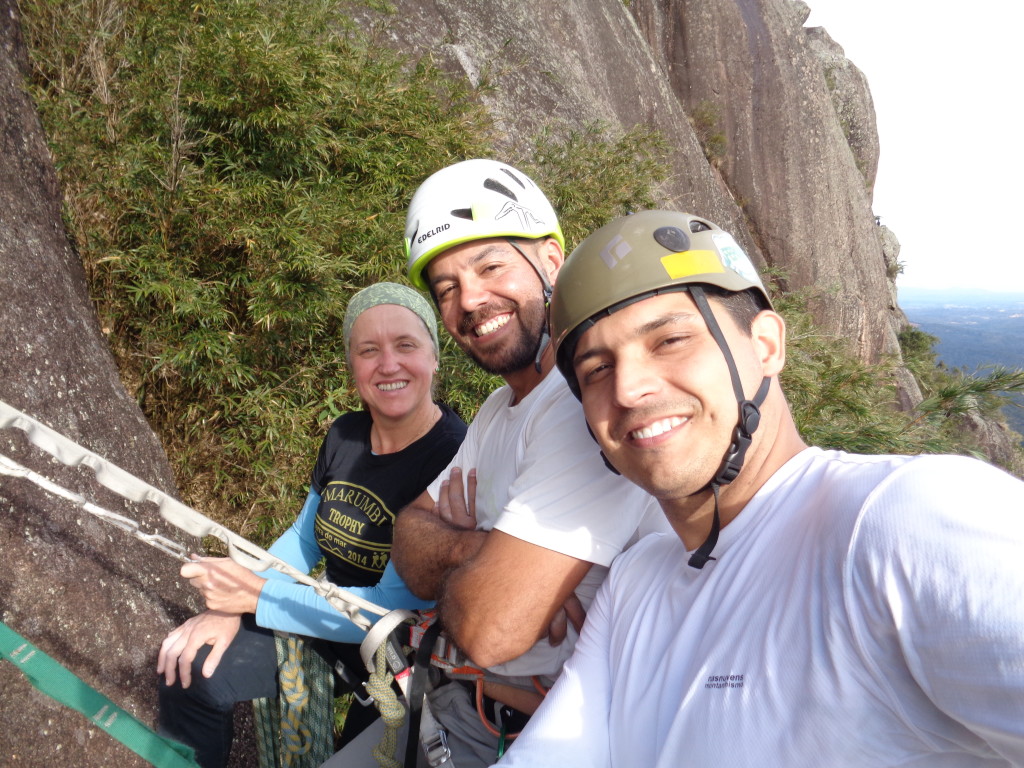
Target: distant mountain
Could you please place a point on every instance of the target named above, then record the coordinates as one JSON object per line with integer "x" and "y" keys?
{"x": 970, "y": 297}
{"x": 975, "y": 329}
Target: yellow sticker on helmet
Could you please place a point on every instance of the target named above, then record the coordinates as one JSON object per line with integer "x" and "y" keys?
{"x": 689, "y": 263}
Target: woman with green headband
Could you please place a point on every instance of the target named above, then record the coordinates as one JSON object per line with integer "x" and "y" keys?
{"x": 371, "y": 464}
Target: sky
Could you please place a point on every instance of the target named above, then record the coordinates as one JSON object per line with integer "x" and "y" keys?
{"x": 945, "y": 79}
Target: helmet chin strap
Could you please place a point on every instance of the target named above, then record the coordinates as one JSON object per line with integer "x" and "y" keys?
{"x": 545, "y": 337}
{"x": 747, "y": 423}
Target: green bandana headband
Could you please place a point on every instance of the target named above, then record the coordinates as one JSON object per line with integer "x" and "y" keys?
{"x": 388, "y": 293}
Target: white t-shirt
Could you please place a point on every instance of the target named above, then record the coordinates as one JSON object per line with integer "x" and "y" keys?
{"x": 540, "y": 478}
{"x": 864, "y": 611}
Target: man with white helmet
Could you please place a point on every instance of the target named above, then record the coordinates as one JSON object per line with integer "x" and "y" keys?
{"x": 522, "y": 540}
{"x": 811, "y": 607}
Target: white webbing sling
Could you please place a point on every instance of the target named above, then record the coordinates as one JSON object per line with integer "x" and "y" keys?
{"x": 180, "y": 515}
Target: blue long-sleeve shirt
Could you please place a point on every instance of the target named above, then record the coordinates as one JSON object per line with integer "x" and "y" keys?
{"x": 291, "y": 607}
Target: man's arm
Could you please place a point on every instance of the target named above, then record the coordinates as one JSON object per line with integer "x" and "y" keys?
{"x": 498, "y": 594}
{"x": 426, "y": 548}
{"x": 939, "y": 591}
{"x": 503, "y": 599}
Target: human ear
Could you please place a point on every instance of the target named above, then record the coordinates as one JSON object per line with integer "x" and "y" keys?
{"x": 551, "y": 257}
{"x": 768, "y": 332}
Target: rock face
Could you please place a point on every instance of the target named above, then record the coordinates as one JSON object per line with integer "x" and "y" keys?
{"x": 796, "y": 148}
{"x": 851, "y": 99}
{"x": 787, "y": 159}
{"x": 86, "y": 593}
{"x": 574, "y": 62}
{"x": 771, "y": 134}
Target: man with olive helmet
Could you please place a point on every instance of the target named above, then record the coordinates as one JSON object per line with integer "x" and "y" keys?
{"x": 854, "y": 610}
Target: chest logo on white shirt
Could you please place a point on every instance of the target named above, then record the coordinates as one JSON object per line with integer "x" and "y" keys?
{"x": 723, "y": 681}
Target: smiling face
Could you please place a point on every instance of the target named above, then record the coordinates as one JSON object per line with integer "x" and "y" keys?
{"x": 393, "y": 361}
{"x": 491, "y": 299}
{"x": 657, "y": 394}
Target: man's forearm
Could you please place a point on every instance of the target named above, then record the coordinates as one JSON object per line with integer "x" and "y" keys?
{"x": 499, "y": 603}
{"x": 425, "y": 548}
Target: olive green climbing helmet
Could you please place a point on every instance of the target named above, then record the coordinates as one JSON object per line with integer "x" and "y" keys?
{"x": 634, "y": 257}
{"x": 639, "y": 256}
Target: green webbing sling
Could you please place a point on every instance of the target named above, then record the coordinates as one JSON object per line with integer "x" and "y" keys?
{"x": 60, "y": 684}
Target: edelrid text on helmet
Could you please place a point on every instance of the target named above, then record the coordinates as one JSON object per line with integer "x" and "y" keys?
{"x": 473, "y": 200}
{"x": 631, "y": 258}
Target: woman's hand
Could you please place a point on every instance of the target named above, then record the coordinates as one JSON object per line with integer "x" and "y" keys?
{"x": 179, "y": 648}
{"x": 457, "y": 506}
{"x": 225, "y": 585}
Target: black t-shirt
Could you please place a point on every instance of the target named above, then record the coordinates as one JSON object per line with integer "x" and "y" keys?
{"x": 360, "y": 492}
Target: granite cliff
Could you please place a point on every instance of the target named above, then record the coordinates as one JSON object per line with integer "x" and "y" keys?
{"x": 90, "y": 596}
{"x": 796, "y": 147}
{"x": 771, "y": 134}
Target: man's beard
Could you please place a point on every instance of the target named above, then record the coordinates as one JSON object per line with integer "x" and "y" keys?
{"x": 517, "y": 353}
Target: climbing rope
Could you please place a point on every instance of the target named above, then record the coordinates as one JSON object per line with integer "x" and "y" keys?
{"x": 295, "y": 699}
{"x": 377, "y": 646}
{"x": 392, "y": 711}
{"x": 296, "y": 729}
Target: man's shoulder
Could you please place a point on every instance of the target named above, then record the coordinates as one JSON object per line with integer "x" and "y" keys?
{"x": 498, "y": 399}
{"x": 548, "y": 403}
{"x": 888, "y": 501}
{"x": 648, "y": 555}
{"x": 890, "y": 471}
{"x": 550, "y": 390}
{"x": 552, "y": 399}
{"x": 948, "y": 485}
{"x": 818, "y": 468}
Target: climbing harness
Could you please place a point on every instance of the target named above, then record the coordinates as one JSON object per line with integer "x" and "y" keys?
{"x": 381, "y": 652}
{"x": 433, "y": 649}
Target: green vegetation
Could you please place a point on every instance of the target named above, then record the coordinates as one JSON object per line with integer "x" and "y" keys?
{"x": 952, "y": 393}
{"x": 593, "y": 179}
{"x": 706, "y": 119}
{"x": 840, "y": 402}
{"x": 234, "y": 171}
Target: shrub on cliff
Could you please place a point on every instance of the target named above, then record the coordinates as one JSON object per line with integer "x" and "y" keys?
{"x": 233, "y": 173}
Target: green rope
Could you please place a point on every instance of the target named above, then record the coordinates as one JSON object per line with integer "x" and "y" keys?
{"x": 267, "y": 722}
{"x": 295, "y": 734}
{"x": 296, "y": 730}
{"x": 57, "y": 682}
{"x": 392, "y": 711}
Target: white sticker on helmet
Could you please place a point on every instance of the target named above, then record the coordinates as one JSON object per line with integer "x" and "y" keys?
{"x": 734, "y": 257}
{"x": 524, "y": 217}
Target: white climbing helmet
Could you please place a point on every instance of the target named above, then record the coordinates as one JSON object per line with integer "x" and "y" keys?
{"x": 472, "y": 200}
